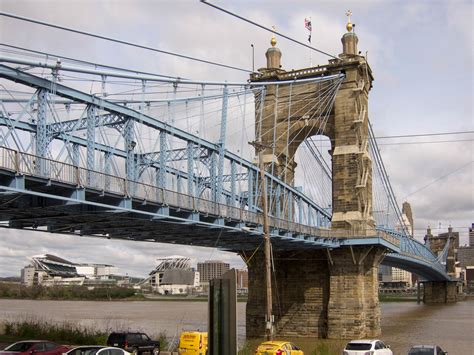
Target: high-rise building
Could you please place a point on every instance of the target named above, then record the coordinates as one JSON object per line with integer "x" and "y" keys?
{"x": 242, "y": 279}
{"x": 399, "y": 275}
{"x": 471, "y": 235}
{"x": 212, "y": 269}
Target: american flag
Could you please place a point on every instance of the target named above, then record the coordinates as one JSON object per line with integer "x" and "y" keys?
{"x": 307, "y": 24}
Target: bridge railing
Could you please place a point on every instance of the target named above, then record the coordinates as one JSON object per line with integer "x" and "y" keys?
{"x": 28, "y": 164}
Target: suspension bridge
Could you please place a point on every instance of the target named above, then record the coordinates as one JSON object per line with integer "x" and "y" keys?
{"x": 104, "y": 152}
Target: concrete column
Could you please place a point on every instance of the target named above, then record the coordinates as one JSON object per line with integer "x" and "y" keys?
{"x": 439, "y": 292}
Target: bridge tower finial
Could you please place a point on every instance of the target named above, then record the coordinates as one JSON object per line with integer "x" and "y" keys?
{"x": 349, "y": 40}
{"x": 273, "y": 54}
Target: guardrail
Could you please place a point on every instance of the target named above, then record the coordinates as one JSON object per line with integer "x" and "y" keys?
{"x": 22, "y": 163}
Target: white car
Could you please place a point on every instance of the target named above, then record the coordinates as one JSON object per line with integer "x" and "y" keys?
{"x": 367, "y": 347}
{"x": 96, "y": 350}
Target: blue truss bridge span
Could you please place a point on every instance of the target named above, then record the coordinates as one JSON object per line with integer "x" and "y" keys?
{"x": 157, "y": 168}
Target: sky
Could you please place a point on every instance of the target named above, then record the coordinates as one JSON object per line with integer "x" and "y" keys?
{"x": 420, "y": 52}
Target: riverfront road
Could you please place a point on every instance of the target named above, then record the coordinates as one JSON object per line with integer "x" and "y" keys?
{"x": 403, "y": 324}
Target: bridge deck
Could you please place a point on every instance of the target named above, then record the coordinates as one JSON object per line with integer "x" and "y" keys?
{"x": 68, "y": 199}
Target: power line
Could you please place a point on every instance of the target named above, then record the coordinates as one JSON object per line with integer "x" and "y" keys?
{"x": 425, "y": 134}
{"x": 86, "y": 62}
{"x": 266, "y": 28}
{"x": 429, "y": 142}
{"x": 325, "y": 144}
{"x": 438, "y": 179}
{"x": 6, "y": 14}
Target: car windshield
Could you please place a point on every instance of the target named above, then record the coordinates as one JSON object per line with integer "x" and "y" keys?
{"x": 85, "y": 350}
{"x": 23, "y": 346}
{"x": 421, "y": 351}
{"x": 358, "y": 346}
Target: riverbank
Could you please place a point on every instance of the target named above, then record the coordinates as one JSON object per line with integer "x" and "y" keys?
{"x": 18, "y": 291}
{"x": 403, "y": 323}
{"x": 83, "y": 293}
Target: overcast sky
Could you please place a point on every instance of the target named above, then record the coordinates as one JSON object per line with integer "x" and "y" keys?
{"x": 420, "y": 52}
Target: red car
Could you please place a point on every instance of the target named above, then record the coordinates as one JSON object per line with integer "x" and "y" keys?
{"x": 29, "y": 347}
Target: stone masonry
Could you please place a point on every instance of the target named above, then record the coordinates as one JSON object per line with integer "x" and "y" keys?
{"x": 320, "y": 293}
{"x": 439, "y": 292}
{"x": 318, "y": 296}
{"x": 285, "y": 121}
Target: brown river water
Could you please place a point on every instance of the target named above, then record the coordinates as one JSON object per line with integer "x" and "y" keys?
{"x": 403, "y": 324}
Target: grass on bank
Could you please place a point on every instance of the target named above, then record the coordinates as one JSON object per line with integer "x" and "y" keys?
{"x": 18, "y": 291}
{"x": 66, "y": 332}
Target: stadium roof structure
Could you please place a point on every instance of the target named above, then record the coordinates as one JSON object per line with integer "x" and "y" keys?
{"x": 54, "y": 265}
{"x": 180, "y": 263}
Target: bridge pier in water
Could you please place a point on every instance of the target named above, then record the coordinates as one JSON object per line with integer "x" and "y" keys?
{"x": 316, "y": 294}
{"x": 440, "y": 292}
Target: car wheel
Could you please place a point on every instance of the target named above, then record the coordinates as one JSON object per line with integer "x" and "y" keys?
{"x": 155, "y": 351}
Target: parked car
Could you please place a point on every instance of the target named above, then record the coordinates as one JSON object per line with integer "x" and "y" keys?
{"x": 28, "y": 347}
{"x": 277, "y": 347}
{"x": 96, "y": 350}
{"x": 363, "y": 347}
{"x": 134, "y": 342}
{"x": 193, "y": 343}
{"x": 426, "y": 350}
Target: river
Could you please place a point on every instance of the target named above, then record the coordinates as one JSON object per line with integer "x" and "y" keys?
{"x": 403, "y": 324}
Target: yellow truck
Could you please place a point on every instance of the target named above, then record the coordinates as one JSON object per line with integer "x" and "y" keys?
{"x": 193, "y": 343}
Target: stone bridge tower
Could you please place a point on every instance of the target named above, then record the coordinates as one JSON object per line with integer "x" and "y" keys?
{"x": 331, "y": 294}
{"x": 347, "y": 128}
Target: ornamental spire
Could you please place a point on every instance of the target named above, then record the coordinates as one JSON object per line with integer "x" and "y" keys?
{"x": 349, "y": 23}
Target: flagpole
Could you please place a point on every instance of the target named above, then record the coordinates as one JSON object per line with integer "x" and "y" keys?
{"x": 310, "y": 36}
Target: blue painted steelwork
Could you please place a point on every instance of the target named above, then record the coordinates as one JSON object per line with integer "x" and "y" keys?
{"x": 220, "y": 171}
{"x": 91, "y": 124}
{"x": 42, "y": 139}
{"x": 190, "y": 178}
{"x": 163, "y": 160}
{"x": 190, "y": 220}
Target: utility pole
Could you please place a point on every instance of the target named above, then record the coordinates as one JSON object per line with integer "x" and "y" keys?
{"x": 259, "y": 147}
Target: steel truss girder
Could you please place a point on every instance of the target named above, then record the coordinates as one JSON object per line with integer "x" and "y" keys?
{"x": 178, "y": 154}
{"x": 80, "y": 124}
{"x": 75, "y": 95}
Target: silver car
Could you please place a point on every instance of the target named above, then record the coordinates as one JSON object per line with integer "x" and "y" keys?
{"x": 96, "y": 350}
{"x": 426, "y": 350}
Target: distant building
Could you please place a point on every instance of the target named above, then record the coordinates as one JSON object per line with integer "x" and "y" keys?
{"x": 212, "y": 269}
{"x": 471, "y": 235}
{"x": 28, "y": 275}
{"x": 470, "y": 279}
{"x": 48, "y": 270}
{"x": 242, "y": 281}
{"x": 96, "y": 271}
{"x": 172, "y": 276}
{"x": 385, "y": 273}
{"x": 465, "y": 256}
{"x": 401, "y": 276}
{"x": 438, "y": 243}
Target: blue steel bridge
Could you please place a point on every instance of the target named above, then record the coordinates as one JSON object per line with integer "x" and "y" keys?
{"x": 90, "y": 151}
